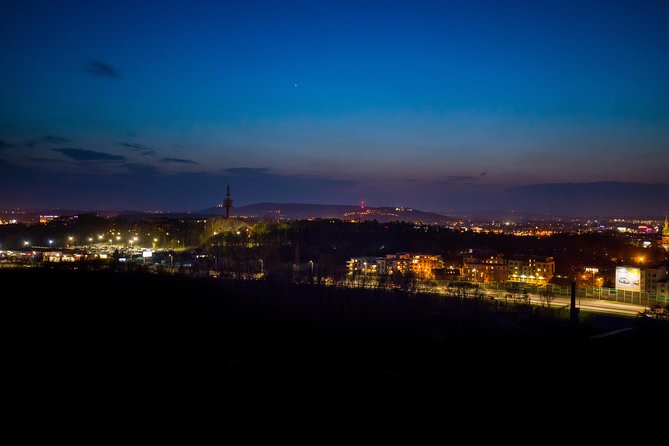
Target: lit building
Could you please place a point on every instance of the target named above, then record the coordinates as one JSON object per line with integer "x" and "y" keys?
{"x": 47, "y": 218}
{"x": 362, "y": 265}
{"x": 531, "y": 269}
{"x": 665, "y": 234}
{"x": 486, "y": 269}
{"x": 423, "y": 266}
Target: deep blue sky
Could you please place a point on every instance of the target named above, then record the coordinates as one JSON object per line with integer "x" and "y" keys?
{"x": 440, "y": 105}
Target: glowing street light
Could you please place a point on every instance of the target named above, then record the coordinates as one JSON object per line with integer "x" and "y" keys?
{"x": 50, "y": 243}
{"x": 26, "y": 243}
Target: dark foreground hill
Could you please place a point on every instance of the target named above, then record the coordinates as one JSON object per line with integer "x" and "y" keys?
{"x": 111, "y": 331}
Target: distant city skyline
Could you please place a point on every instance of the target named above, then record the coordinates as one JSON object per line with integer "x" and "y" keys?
{"x": 558, "y": 107}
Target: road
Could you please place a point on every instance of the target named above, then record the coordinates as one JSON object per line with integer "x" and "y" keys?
{"x": 602, "y": 306}
{"x": 594, "y": 305}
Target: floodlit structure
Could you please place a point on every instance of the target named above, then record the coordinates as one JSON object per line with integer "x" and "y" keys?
{"x": 227, "y": 203}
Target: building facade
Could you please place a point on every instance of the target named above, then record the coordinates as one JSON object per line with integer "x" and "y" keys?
{"x": 651, "y": 277}
{"x": 486, "y": 269}
{"x": 665, "y": 234}
{"x": 362, "y": 266}
{"x": 423, "y": 266}
{"x": 531, "y": 269}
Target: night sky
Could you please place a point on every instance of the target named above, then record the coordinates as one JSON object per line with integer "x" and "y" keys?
{"x": 442, "y": 105}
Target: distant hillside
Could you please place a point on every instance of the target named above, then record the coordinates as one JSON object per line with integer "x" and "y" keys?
{"x": 344, "y": 212}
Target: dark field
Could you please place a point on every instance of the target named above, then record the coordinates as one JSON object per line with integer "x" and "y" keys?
{"x": 119, "y": 335}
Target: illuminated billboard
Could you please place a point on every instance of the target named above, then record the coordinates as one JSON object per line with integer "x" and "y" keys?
{"x": 628, "y": 279}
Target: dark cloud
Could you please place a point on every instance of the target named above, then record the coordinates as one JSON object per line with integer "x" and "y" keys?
{"x": 141, "y": 186}
{"x": 591, "y": 199}
{"x": 5, "y": 145}
{"x": 46, "y": 160}
{"x": 88, "y": 155}
{"x": 177, "y": 160}
{"x": 248, "y": 170}
{"x": 101, "y": 69}
{"x": 450, "y": 179}
{"x": 134, "y": 145}
{"x": 141, "y": 169}
{"x": 137, "y": 147}
{"x": 48, "y": 139}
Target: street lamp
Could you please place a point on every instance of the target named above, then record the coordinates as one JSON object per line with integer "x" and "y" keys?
{"x": 311, "y": 263}
{"x": 50, "y": 243}
{"x": 262, "y": 267}
{"x": 26, "y": 243}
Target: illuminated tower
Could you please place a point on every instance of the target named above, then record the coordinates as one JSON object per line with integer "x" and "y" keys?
{"x": 665, "y": 234}
{"x": 227, "y": 203}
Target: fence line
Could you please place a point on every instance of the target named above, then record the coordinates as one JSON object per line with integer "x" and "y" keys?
{"x": 587, "y": 292}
